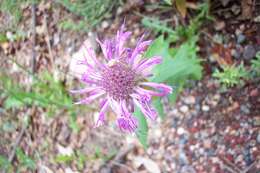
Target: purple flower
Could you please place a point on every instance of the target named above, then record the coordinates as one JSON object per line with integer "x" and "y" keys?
{"x": 121, "y": 82}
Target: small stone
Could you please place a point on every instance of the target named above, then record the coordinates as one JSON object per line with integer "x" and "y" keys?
{"x": 238, "y": 31}
{"x": 215, "y": 160}
{"x": 249, "y": 52}
{"x": 241, "y": 38}
{"x": 239, "y": 158}
{"x": 205, "y": 108}
{"x": 183, "y": 160}
{"x": 235, "y": 53}
{"x": 192, "y": 147}
{"x": 184, "y": 109}
{"x": 180, "y": 131}
{"x": 119, "y": 10}
{"x": 201, "y": 151}
{"x": 189, "y": 100}
{"x": 257, "y": 19}
{"x": 104, "y": 24}
{"x": 254, "y": 93}
{"x": 244, "y": 109}
{"x": 224, "y": 2}
{"x": 157, "y": 133}
{"x": 207, "y": 143}
{"x": 235, "y": 9}
{"x": 220, "y": 25}
{"x": 258, "y": 138}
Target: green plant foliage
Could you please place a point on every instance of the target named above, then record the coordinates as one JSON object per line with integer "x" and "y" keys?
{"x": 179, "y": 65}
{"x": 142, "y": 131}
{"x": 80, "y": 159}
{"x": 231, "y": 75}
{"x": 3, "y": 38}
{"x": 157, "y": 25}
{"x": 67, "y": 159}
{"x": 25, "y": 161}
{"x": 255, "y": 66}
{"x": 5, "y": 164}
{"x": 46, "y": 92}
{"x": 180, "y": 33}
{"x": 71, "y": 25}
{"x": 168, "y": 2}
{"x": 92, "y": 11}
{"x": 13, "y": 9}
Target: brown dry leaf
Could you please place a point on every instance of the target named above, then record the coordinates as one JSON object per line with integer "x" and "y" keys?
{"x": 247, "y": 9}
{"x": 221, "y": 54}
{"x": 181, "y": 7}
{"x": 5, "y": 47}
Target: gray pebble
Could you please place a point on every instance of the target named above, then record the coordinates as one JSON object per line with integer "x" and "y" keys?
{"x": 241, "y": 38}
{"x": 184, "y": 109}
{"x": 205, "y": 108}
{"x": 249, "y": 52}
{"x": 244, "y": 109}
{"x": 258, "y": 138}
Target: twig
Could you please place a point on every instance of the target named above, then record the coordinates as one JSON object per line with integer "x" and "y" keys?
{"x": 249, "y": 167}
{"x": 230, "y": 165}
{"x": 118, "y": 159}
{"x": 124, "y": 166}
{"x": 47, "y": 39}
{"x": 17, "y": 142}
{"x": 34, "y": 38}
{"x": 123, "y": 153}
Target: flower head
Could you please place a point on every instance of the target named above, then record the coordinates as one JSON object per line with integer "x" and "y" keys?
{"x": 120, "y": 82}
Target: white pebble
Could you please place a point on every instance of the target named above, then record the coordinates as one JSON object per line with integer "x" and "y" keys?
{"x": 180, "y": 131}
{"x": 205, "y": 108}
{"x": 184, "y": 109}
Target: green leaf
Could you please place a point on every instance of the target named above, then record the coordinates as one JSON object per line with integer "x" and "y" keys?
{"x": 159, "y": 107}
{"x": 176, "y": 91}
{"x": 25, "y": 160}
{"x": 169, "y": 2}
{"x": 183, "y": 65}
{"x": 158, "y": 26}
{"x": 5, "y": 164}
{"x": 3, "y": 38}
{"x": 142, "y": 131}
{"x": 8, "y": 126}
{"x": 73, "y": 122}
{"x": 158, "y": 47}
{"x": 81, "y": 159}
{"x": 178, "y": 66}
{"x": 12, "y": 102}
{"x": 64, "y": 158}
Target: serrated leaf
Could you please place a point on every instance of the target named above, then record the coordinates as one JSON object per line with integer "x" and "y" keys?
{"x": 142, "y": 131}
{"x": 182, "y": 66}
{"x": 158, "y": 47}
{"x": 178, "y": 66}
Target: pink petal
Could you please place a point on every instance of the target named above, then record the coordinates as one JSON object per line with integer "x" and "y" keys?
{"x": 90, "y": 98}
{"x": 101, "y": 116}
{"x": 163, "y": 89}
{"x": 148, "y": 64}
{"x": 146, "y": 109}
